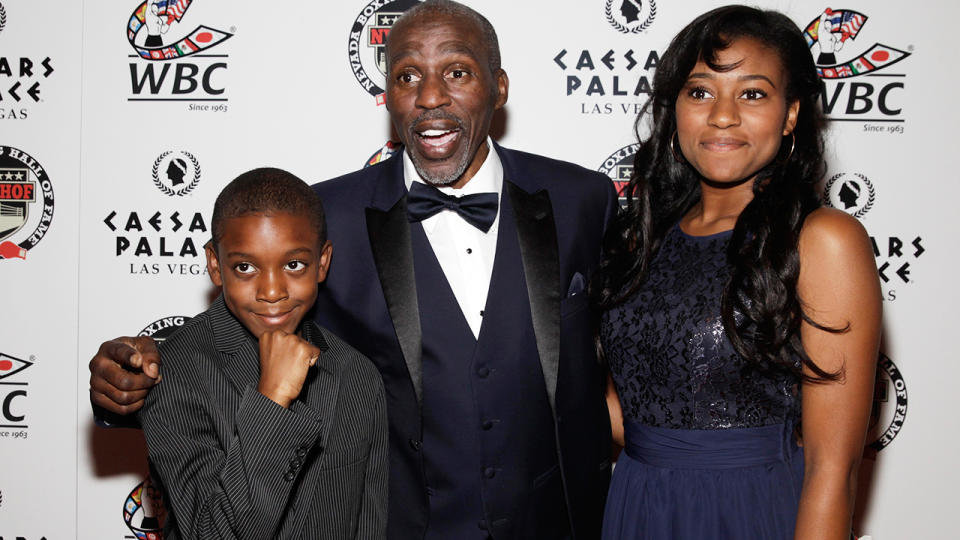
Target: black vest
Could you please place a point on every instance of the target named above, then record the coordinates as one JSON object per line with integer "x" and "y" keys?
{"x": 483, "y": 447}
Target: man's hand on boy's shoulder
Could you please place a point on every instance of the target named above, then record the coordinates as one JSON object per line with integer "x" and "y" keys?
{"x": 284, "y": 362}
{"x": 122, "y": 372}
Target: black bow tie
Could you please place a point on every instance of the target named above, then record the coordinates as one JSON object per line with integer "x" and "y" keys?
{"x": 479, "y": 209}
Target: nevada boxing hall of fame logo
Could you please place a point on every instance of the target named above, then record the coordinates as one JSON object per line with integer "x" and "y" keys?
{"x": 858, "y": 84}
{"x": 173, "y": 63}
{"x": 367, "y": 45}
{"x": 26, "y": 203}
{"x": 889, "y": 409}
{"x": 144, "y": 512}
{"x": 619, "y": 167}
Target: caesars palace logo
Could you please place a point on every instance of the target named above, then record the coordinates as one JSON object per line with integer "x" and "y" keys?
{"x": 26, "y": 203}
{"x": 163, "y": 241}
{"x": 174, "y": 64}
{"x": 20, "y": 78}
{"x": 852, "y": 193}
{"x": 630, "y": 16}
{"x": 612, "y": 81}
{"x": 176, "y": 173}
{"x": 366, "y": 46}
{"x": 896, "y": 255}
{"x": 834, "y": 37}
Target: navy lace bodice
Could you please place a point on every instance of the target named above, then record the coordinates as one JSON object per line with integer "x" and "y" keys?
{"x": 671, "y": 360}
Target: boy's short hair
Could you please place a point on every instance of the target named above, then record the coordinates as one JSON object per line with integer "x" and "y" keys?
{"x": 266, "y": 191}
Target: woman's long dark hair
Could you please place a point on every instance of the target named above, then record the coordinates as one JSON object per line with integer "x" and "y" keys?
{"x": 763, "y": 251}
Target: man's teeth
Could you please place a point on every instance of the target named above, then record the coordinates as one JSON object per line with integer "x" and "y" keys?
{"x": 435, "y": 132}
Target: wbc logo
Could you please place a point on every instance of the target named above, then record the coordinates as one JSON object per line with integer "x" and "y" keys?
{"x": 161, "y": 70}
{"x": 151, "y": 21}
{"x": 832, "y": 32}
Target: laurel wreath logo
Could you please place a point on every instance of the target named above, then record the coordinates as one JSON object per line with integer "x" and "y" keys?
{"x": 637, "y": 29}
{"x": 169, "y": 191}
{"x": 871, "y": 193}
{"x": 3, "y": 18}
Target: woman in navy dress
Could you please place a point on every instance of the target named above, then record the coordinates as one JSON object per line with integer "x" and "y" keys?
{"x": 742, "y": 320}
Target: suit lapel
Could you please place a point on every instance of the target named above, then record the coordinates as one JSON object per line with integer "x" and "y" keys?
{"x": 239, "y": 351}
{"x": 389, "y": 233}
{"x": 537, "y": 237}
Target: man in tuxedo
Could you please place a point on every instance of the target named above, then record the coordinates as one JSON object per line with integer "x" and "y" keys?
{"x": 460, "y": 269}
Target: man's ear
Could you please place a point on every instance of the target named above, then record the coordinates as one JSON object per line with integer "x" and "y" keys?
{"x": 323, "y": 265}
{"x": 213, "y": 264}
{"x": 503, "y": 88}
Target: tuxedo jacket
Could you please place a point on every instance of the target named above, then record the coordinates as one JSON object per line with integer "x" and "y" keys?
{"x": 370, "y": 299}
{"x": 237, "y": 465}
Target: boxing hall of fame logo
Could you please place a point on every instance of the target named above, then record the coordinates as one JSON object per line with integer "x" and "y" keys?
{"x": 144, "y": 512}
{"x": 176, "y": 173}
{"x": 630, "y": 16}
{"x": 852, "y": 193}
{"x": 366, "y": 47}
{"x": 619, "y": 167}
{"x": 175, "y": 65}
{"x": 889, "y": 406}
{"x": 26, "y": 203}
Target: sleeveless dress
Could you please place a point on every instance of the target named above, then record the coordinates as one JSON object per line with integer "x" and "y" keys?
{"x": 710, "y": 448}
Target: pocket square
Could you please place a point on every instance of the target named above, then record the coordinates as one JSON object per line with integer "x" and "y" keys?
{"x": 577, "y": 285}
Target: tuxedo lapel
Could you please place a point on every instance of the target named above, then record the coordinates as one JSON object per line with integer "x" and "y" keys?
{"x": 537, "y": 238}
{"x": 389, "y": 234}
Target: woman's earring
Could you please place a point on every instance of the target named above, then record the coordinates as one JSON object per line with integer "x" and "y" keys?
{"x": 793, "y": 142}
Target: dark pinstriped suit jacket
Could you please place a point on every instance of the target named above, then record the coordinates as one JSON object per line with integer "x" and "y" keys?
{"x": 237, "y": 465}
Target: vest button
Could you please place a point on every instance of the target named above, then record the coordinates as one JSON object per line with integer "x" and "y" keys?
{"x": 289, "y": 476}
{"x": 489, "y": 472}
{"x": 487, "y": 425}
{"x": 415, "y": 445}
{"x": 483, "y": 372}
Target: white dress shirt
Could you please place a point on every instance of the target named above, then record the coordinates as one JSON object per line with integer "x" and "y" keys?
{"x": 465, "y": 252}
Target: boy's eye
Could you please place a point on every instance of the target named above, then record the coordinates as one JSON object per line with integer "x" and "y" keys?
{"x": 243, "y": 268}
{"x": 296, "y": 265}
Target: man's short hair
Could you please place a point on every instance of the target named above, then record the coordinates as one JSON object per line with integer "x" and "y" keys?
{"x": 267, "y": 191}
{"x": 456, "y": 9}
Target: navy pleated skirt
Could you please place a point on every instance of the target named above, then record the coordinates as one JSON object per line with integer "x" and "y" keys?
{"x": 735, "y": 484}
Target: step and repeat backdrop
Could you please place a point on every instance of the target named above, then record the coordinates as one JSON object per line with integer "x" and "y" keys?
{"x": 121, "y": 120}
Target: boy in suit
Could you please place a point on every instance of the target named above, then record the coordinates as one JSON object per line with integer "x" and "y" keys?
{"x": 267, "y": 425}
